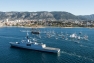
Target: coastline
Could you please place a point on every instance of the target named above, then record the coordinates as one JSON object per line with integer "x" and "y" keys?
{"x": 22, "y": 27}
{"x": 44, "y": 27}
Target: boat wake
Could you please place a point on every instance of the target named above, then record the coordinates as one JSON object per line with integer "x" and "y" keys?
{"x": 79, "y": 56}
{"x": 86, "y": 46}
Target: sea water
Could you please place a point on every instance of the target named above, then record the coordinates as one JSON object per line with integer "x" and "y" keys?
{"x": 72, "y": 51}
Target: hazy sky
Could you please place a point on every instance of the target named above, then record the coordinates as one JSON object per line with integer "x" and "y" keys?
{"x": 76, "y": 7}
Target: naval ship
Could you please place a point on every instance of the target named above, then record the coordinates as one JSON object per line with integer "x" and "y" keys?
{"x": 28, "y": 44}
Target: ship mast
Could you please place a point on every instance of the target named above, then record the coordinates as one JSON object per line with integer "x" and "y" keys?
{"x": 27, "y": 36}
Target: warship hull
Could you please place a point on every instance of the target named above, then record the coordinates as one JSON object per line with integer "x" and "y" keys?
{"x": 35, "y": 47}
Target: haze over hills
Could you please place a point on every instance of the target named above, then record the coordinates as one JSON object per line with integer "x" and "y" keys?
{"x": 88, "y": 17}
{"x": 43, "y": 15}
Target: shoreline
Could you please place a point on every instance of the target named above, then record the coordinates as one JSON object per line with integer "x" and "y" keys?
{"x": 44, "y": 27}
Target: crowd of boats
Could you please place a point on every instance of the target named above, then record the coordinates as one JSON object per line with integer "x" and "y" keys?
{"x": 65, "y": 36}
{"x": 32, "y": 43}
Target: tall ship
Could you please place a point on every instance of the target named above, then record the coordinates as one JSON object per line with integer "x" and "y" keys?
{"x": 28, "y": 44}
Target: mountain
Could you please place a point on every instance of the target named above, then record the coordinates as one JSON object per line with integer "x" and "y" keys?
{"x": 63, "y": 15}
{"x": 87, "y": 17}
{"x": 42, "y": 15}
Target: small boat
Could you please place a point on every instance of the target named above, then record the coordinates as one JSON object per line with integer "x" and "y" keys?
{"x": 73, "y": 35}
{"x": 85, "y": 37}
{"x": 78, "y": 37}
{"x": 28, "y": 44}
{"x": 80, "y": 33}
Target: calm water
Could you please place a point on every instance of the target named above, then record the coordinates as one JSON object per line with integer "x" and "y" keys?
{"x": 71, "y": 52}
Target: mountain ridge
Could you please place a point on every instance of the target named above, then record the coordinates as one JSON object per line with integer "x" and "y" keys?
{"x": 43, "y": 15}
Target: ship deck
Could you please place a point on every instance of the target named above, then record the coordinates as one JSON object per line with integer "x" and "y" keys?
{"x": 51, "y": 48}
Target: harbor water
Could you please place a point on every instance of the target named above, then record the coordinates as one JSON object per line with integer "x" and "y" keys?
{"x": 72, "y": 50}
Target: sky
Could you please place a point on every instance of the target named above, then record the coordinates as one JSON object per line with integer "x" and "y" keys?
{"x": 76, "y": 7}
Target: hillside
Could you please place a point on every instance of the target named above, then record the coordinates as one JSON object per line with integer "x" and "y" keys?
{"x": 43, "y": 15}
{"x": 87, "y": 17}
